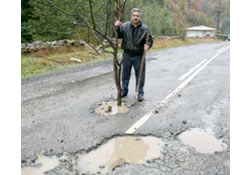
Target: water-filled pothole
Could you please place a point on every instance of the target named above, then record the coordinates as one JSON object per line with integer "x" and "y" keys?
{"x": 119, "y": 151}
{"x": 203, "y": 142}
{"x": 111, "y": 108}
{"x": 42, "y": 164}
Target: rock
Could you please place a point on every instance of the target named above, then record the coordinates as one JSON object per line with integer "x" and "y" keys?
{"x": 54, "y": 43}
{"x": 109, "y": 109}
{"x": 60, "y": 42}
{"x": 33, "y": 159}
{"x": 65, "y": 41}
{"x": 24, "y": 50}
{"x": 38, "y": 42}
{"x": 39, "y": 45}
{"x": 101, "y": 166}
{"x": 56, "y": 46}
{"x": 83, "y": 43}
{"x": 42, "y": 46}
{"x": 50, "y": 44}
{"x": 76, "y": 43}
{"x": 118, "y": 163}
{"x": 33, "y": 48}
{"x": 23, "y": 45}
{"x": 76, "y": 59}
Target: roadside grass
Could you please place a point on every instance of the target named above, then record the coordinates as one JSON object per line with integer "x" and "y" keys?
{"x": 170, "y": 43}
{"x": 47, "y": 61}
{"x": 43, "y": 62}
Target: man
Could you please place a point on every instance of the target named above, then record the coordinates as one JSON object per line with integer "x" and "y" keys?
{"x": 133, "y": 34}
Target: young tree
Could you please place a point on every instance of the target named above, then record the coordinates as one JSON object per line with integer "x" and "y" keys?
{"x": 94, "y": 15}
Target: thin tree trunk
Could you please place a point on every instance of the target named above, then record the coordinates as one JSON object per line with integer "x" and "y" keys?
{"x": 117, "y": 70}
{"x": 116, "y": 65}
{"x": 117, "y": 76}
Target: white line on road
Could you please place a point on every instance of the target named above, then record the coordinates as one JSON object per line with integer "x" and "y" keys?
{"x": 164, "y": 102}
{"x": 192, "y": 70}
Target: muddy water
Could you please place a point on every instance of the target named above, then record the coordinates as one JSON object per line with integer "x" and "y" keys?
{"x": 202, "y": 141}
{"x": 119, "y": 151}
{"x": 43, "y": 164}
{"x": 111, "y": 108}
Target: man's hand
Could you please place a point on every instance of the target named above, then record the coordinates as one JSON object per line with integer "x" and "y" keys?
{"x": 146, "y": 47}
{"x": 118, "y": 23}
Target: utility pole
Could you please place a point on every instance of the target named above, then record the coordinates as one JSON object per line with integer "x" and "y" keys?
{"x": 218, "y": 12}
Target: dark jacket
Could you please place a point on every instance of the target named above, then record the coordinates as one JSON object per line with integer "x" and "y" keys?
{"x": 130, "y": 45}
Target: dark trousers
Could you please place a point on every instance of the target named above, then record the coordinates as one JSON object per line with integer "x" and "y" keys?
{"x": 135, "y": 61}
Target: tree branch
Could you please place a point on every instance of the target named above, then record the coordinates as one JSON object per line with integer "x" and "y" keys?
{"x": 91, "y": 12}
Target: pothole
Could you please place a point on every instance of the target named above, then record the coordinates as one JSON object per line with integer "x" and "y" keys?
{"x": 111, "y": 108}
{"x": 42, "y": 164}
{"x": 119, "y": 151}
{"x": 202, "y": 141}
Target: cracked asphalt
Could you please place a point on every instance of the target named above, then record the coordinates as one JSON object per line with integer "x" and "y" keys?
{"x": 58, "y": 112}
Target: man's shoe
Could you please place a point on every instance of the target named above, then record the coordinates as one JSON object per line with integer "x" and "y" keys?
{"x": 124, "y": 95}
{"x": 140, "y": 98}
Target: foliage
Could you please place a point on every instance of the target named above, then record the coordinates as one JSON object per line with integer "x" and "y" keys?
{"x": 62, "y": 19}
{"x": 154, "y": 15}
{"x": 26, "y": 28}
{"x": 49, "y": 20}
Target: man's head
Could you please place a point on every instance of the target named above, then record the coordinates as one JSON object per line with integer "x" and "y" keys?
{"x": 136, "y": 16}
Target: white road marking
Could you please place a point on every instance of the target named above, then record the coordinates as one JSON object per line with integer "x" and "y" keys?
{"x": 164, "y": 102}
{"x": 192, "y": 70}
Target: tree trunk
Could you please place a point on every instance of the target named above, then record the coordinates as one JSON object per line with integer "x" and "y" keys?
{"x": 117, "y": 76}
{"x": 117, "y": 69}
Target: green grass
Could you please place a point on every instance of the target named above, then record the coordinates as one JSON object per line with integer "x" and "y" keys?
{"x": 170, "y": 43}
{"x": 44, "y": 62}
{"x": 36, "y": 64}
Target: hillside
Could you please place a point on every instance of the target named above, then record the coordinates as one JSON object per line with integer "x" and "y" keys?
{"x": 48, "y": 20}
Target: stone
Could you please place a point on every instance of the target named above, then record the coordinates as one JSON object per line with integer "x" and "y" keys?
{"x": 109, "y": 109}
{"x": 24, "y": 50}
{"x": 60, "y": 42}
{"x": 75, "y": 59}
{"x": 82, "y": 43}
{"x": 101, "y": 166}
{"x": 118, "y": 163}
{"x": 33, "y": 49}
{"x": 38, "y": 42}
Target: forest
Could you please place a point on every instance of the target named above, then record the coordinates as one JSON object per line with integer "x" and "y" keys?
{"x": 50, "y": 20}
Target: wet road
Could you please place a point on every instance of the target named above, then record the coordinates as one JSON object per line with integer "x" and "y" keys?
{"x": 58, "y": 111}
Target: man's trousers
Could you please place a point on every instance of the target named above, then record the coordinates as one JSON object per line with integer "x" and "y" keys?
{"x": 135, "y": 61}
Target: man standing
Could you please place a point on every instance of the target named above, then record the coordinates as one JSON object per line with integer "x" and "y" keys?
{"x": 133, "y": 34}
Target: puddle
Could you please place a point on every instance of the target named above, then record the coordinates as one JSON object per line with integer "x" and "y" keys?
{"x": 119, "y": 151}
{"x": 43, "y": 164}
{"x": 111, "y": 108}
{"x": 202, "y": 141}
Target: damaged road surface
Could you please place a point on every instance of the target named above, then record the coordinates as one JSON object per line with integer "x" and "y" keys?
{"x": 181, "y": 128}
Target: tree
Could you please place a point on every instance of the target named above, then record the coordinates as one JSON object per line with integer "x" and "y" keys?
{"x": 63, "y": 17}
{"x": 26, "y": 28}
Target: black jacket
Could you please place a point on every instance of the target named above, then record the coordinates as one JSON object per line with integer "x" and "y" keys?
{"x": 135, "y": 46}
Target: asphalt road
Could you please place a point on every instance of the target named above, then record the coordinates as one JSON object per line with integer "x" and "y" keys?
{"x": 58, "y": 111}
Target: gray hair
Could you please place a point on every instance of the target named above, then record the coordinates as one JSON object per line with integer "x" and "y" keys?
{"x": 136, "y": 10}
